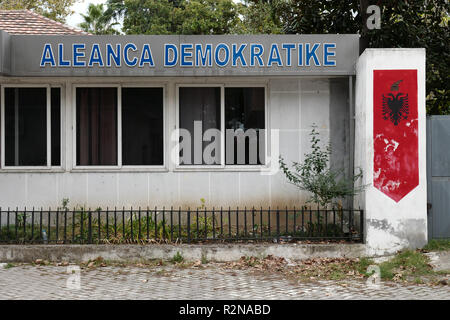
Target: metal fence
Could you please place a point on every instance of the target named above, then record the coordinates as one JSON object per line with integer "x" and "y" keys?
{"x": 83, "y": 226}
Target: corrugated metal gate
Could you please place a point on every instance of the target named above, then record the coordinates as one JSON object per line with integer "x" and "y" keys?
{"x": 438, "y": 174}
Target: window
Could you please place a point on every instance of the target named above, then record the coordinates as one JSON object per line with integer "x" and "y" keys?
{"x": 29, "y": 118}
{"x": 244, "y": 119}
{"x": 142, "y": 126}
{"x": 199, "y": 112}
{"x": 202, "y": 133}
{"x": 96, "y": 126}
{"x": 56, "y": 126}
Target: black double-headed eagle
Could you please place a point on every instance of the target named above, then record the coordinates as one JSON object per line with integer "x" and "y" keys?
{"x": 395, "y": 106}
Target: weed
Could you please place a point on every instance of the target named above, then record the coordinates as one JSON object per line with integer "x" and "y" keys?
{"x": 406, "y": 263}
{"x": 363, "y": 264}
{"x": 177, "y": 258}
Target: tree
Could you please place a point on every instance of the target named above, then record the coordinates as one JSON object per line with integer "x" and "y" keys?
{"x": 404, "y": 24}
{"x": 208, "y": 17}
{"x": 262, "y": 16}
{"x": 143, "y": 17}
{"x": 57, "y": 10}
{"x": 175, "y": 16}
{"x": 97, "y": 22}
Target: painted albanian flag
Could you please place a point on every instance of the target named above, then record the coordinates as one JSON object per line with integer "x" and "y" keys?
{"x": 395, "y": 132}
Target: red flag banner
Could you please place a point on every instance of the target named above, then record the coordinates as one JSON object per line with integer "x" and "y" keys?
{"x": 395, "y": 132}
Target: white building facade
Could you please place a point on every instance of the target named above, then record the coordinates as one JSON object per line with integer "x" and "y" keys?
{"x": 141, "y": 121}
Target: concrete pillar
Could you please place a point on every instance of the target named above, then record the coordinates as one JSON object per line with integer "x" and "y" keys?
{"x": 390, "y": 148}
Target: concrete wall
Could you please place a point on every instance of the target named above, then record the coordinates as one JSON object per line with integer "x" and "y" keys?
{"x": 5, "y": 47}
{"x": 293, "y": 104}
{"x": 389, "y": 225}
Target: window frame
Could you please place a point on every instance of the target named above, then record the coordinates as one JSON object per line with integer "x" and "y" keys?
{"x": 222, "y": 166}
{"x": 48, "y": 167}
{"x": 119, "y": 166}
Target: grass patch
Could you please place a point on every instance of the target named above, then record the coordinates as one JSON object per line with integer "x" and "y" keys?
{"x": 438, "y": 245}
{"x": 406, "y": 264}
{"x": 9, "y": 266}
{"x": 363, "y": 264}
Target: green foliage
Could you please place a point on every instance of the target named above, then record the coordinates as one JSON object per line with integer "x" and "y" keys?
{"x": 406, "y": 263}
{"x": 315, "y": 176}
{"x": 363, "y": 264}
{"x": 175, "y": 17}
{"x": 177, "y": 258}
{"x": 322, "y": 16}
{"x": 207, "y": 17}
{"x": 57, "y": 10}
{"x": 65, "y": 204}
{"x": 262, "y": 17}
{"x": 404, "y": 24}
{"x": 438, "y": 245}
{"x": 96, "y": 22}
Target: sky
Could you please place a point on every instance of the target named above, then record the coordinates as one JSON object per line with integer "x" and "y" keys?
{"x": 80, "y": 7}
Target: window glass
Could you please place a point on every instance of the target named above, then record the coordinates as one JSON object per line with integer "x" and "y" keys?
{"x": 199, "y": 116}
{"x": 96, "y": 126}
{"x": 25, "y": 126}
{"x": 245, "y": 124}
{"x": 142, "y": 126}
{"x": 56, "y": 126}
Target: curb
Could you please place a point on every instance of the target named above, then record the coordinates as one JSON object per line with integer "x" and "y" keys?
{"x": 212, "y": 252}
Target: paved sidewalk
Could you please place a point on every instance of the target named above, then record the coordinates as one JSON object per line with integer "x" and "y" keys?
{"x": 211, "y": 282}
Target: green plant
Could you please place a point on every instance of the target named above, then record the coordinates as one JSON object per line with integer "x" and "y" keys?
{"x": 177, "y": 258}
{"x": 438, "y": 245}
{"x": 65, "y": 204}
{"x": 314, "y": 175}
{"x": 363, "y": 264}
{"x": 406, "y": 263}
{"x": 204, "y": 259}
{"x": 203, "y": 202}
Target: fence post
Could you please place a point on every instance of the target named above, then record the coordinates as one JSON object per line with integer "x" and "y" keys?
{"x": 278, "y": 225}
{"x": 213, "y": 222}
{"x": 57, "y": 225}
{"x": 171, "y": 223}
{"x": 131, "y": 224}
{"x": 24, "y": 223}
{"x": 139, "y": 224}
{"x": 49, "y": 223}
{"x": 164, "y": 224}
{"x": 32, "y": 223}
{"x": 107, "y": 223}
{"x": 7, "y": 222}
{"x": 16, "y": 224}
{"x": 189, "y": 225}
{"x": 90, "y": 226}
{"x": 65, "y": 224}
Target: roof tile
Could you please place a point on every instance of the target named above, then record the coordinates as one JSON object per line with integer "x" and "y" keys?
{"x": 28, "y": 22}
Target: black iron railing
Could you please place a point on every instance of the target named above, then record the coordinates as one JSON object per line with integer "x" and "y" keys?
{"x": 178, "y": 225}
